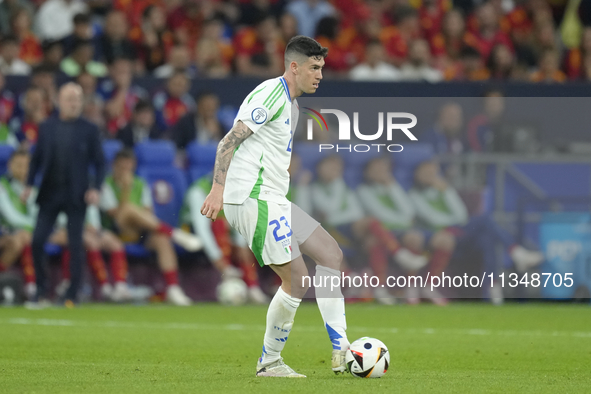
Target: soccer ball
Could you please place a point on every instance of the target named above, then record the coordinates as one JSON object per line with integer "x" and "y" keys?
{"x": 232, "y": 292}
{"x": 367, "y": 358}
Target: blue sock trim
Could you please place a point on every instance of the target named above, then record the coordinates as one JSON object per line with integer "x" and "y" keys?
{"x": 334, "y": 337}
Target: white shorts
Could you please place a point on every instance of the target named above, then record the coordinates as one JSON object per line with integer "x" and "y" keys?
{"x": 269, "y": 229}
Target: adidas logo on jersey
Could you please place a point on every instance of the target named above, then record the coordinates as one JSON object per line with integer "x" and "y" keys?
{"x": 287, "y": 121}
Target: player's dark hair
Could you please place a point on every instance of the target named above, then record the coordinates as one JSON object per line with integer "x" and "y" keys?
{"x": 304, "y": 46}
{"x": 124, "y": 154}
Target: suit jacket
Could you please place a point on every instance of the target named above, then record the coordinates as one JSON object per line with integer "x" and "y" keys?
{"x": 85, "y": 151}
{"x": 125, "y": 135}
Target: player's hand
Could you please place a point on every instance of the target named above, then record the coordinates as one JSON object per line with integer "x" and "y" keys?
{"x": 213, "y": 204}
{"x": 26, "y": 193}
{"x": 92, "y": 197}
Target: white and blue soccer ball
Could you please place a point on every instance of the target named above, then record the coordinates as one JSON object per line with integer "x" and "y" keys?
{"x": 232, "y": 291}
{"x": 367, "y": 358}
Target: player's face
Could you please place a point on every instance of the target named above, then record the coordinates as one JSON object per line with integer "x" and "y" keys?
{"x": 310, "y": 74}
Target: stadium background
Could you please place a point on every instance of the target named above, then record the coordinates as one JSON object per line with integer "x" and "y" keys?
{"x": 179, "y": 51}
{"x": 518, "y": 48}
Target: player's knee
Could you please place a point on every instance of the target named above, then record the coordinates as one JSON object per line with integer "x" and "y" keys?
{"x": 334, "y": 256}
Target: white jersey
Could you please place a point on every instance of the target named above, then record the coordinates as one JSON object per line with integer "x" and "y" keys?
{"x": 259, "y": 166}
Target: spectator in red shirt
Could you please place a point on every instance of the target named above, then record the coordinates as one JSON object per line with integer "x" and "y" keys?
{"x": 134, "y": 9}
{"x": 448, "y": 45}
{"x": 30, "y": 49}
{"x": 153, "y": 40}
{"x": 175, "y": 101}
{"x": 397, "y": 39}
{"x": 489, "y": 33}
{"x": 431, "y": 15}
{"x": 119, "y": 95}
{"x": 521, "y": 19}
{"x": 258, "y": 49}
{"x": 328, "y": 34}
{"x": 185, "y": 22}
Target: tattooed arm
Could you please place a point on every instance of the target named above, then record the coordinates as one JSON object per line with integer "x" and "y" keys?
{"x": 214, "y": 202}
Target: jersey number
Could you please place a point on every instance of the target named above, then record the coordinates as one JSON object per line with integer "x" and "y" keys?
{"x": 277, "y": 224}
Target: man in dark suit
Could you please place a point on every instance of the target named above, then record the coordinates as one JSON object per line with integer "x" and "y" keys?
{"x": 66, "y": 149}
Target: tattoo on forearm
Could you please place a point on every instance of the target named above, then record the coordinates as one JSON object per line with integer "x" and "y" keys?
{"x": 226, "y": 148}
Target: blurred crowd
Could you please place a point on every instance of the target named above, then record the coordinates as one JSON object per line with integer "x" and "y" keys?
{"x": 396, "y": 40}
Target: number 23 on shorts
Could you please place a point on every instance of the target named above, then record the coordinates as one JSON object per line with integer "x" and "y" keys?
{"x": 278, "y": 228}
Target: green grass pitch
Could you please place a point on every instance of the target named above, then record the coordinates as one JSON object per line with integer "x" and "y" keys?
{"x": 465, "y": 347}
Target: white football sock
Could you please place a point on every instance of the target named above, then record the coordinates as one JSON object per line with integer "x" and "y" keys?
{"x": 332, "y": 306}
{"x": 282, "y": 310}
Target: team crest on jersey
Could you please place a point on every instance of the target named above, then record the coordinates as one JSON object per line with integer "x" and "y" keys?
{"x": 259, "y": 115}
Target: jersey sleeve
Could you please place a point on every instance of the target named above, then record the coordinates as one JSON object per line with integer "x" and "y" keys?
{"x": 263, "y": 105}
